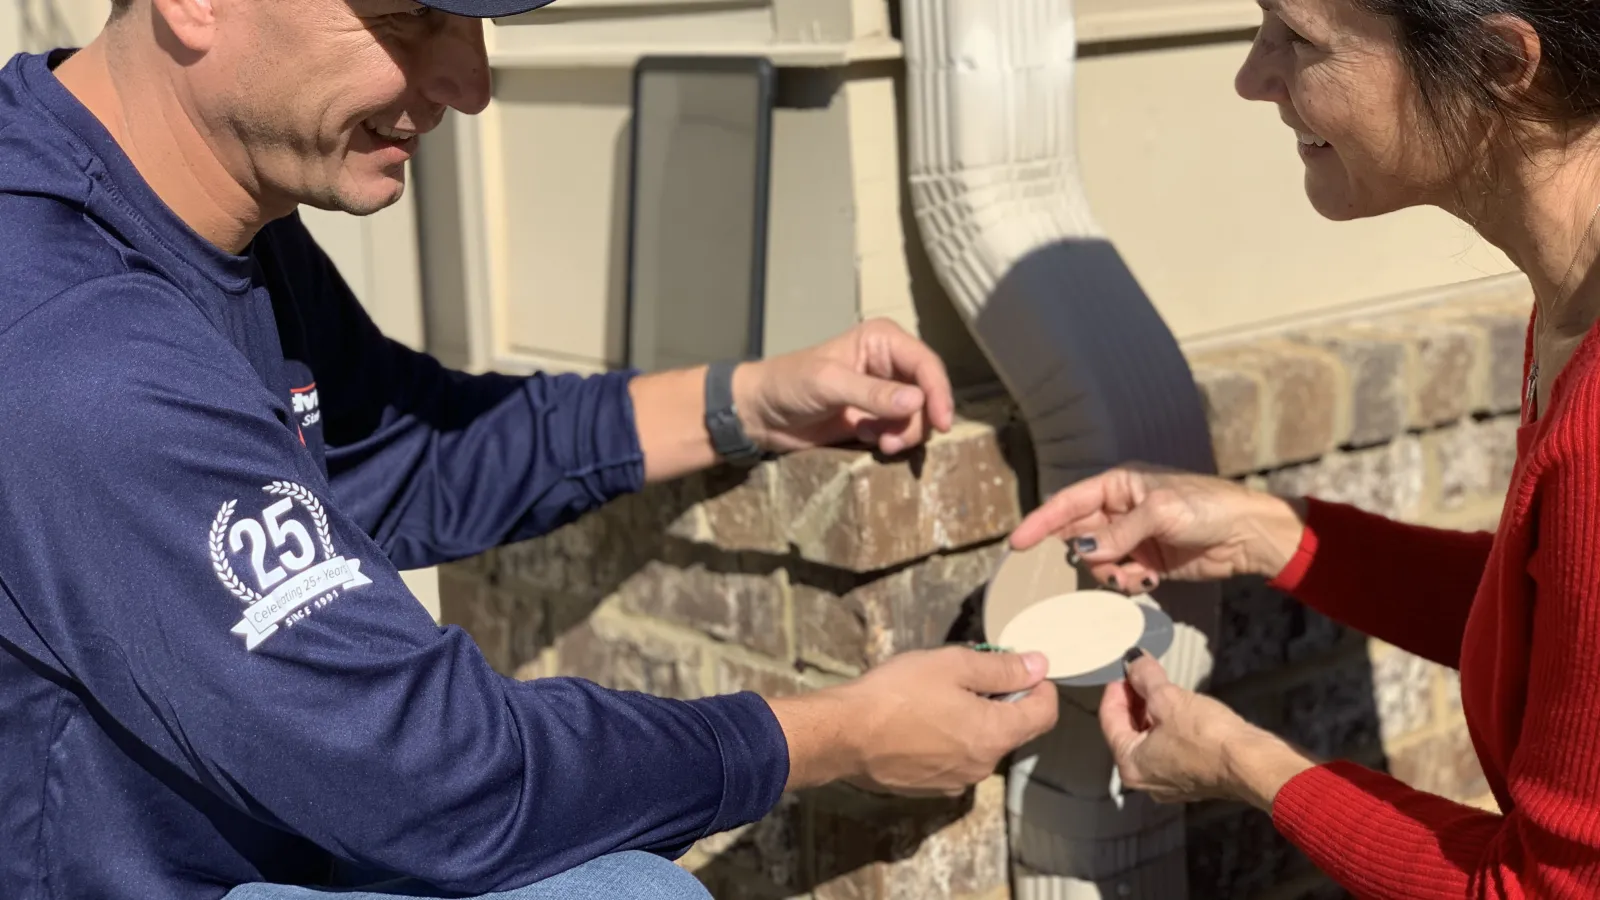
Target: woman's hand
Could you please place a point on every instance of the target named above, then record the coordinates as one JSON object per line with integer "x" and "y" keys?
{"x": 1135, "y": 525}
{"x": 1179, "y": 746}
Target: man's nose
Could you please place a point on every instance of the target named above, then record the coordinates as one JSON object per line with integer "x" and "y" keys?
{"x": 456, "y": 66}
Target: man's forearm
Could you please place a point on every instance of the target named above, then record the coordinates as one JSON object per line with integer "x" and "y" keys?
{"x": 813, "y": 725}
{"x": 670, "y": 411}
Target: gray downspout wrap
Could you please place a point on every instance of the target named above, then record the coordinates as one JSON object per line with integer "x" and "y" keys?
{"x": 1094, "y": 371}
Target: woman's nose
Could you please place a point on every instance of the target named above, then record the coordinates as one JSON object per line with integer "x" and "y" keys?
{"x": 1258, "y": 78}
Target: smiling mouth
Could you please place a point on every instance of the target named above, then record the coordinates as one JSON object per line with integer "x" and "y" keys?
{"x": 398, "y": 137}
{"x": 1307, "y": 139}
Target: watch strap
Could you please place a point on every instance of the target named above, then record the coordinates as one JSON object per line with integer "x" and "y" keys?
{"x": 728, "y": 437}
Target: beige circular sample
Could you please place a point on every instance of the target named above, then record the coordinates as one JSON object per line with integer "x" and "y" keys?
{"x": 1022, "y": 579}
{"x": 1079, "y": 632}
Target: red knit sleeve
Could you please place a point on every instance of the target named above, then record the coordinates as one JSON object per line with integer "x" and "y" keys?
{"x": 1405, "y": 584}
{"x": 1386, "y": 841}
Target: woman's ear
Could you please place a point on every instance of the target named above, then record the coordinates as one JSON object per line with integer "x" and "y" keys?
{"x": 1512, "y": 55}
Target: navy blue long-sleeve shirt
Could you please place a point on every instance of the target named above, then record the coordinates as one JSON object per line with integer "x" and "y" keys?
{"x": 211, "y": 467}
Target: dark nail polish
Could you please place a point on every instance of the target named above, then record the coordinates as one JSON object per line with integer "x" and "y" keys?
{"x": 1085, "y": 544}
{"x": 1114, "y": 583}
{"x": 1072, "y": 557}
{"x": 1132, "y": 656}
{"x": 1148, "y": 582}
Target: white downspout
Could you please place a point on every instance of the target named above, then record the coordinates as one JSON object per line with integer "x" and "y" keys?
{"x": 1095, "y": 373}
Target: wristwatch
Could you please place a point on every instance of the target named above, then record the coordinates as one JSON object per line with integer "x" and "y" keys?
{"x": 728, "y": 437}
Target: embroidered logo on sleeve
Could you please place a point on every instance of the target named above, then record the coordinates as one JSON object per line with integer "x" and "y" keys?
{"x": 294, "y": 570}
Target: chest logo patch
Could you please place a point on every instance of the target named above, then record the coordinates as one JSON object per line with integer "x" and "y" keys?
{"x": 294, "y": 570}
{"x": 307, "y": 405}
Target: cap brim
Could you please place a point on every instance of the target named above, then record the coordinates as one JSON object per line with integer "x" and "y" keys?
{"x": 486, "y": 9}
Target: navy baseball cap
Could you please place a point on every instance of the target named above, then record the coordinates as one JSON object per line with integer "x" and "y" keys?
{"x": 485, "y": 9}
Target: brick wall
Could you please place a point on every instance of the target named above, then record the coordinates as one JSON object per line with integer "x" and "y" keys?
{"x": 810, "y": 569}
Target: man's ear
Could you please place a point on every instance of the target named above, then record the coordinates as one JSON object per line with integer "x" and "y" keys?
{"x": 191, "y": 23}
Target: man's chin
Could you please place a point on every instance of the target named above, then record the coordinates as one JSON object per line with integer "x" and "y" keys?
{"x": 363, "y": 200}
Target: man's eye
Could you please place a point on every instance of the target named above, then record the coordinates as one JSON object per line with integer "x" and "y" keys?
{"x": 416, "y": 12}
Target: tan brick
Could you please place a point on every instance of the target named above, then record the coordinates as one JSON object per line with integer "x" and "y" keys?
{"x": 1305, "y": 396}
{"x": 831, "y": 631}
{"x": 740, "y": 607}
{"x": 740, "y": 510}
{"x": 1471, "y": 461}
{"x": 1445, "y": 375}
{"x": 467, "y": 604}
{"x": 769, "y": 679}
{"x": 1449, "y": 694}
{"x": 1403, "y": 686}
{"x": 591, "y": 556}
{"x": 872, "y": 848}
{"x": 765, "y": 859}
{"x": 969, "y": 490}
{"x": 849, "y": 510}
{"x": 1444, "y": 764}
{"x": 1505, "y": 329}
{"x": 1388, "y": 479}
{"x": 918, "y": 607}
{"x": 607, "y": 653}
{"x": 839, "y": 506}
{"x": 1233, "y": 404}
{"x": 1376, "y": 367}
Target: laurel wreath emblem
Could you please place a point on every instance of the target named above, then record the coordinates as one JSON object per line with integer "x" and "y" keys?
{"x": 319, "y": 516}
{"x": 219, "y": 555}
{"x": 219, "y": 532}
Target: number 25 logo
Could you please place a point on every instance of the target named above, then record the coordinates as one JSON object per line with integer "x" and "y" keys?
{"x": 280, "y": 532}
{"x": 293, "y": 546}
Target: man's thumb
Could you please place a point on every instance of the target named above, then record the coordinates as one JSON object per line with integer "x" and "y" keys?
{"x": 1003, "y": 673}
{"x": 878, "y": 397}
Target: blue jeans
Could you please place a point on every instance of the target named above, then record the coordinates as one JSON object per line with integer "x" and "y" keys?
{"x": 623, "y": 876}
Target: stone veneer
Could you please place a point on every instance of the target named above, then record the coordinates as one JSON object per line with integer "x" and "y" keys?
{"x": 807, "y": 570}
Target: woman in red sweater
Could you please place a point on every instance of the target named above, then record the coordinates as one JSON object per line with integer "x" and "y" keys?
{"x": 1489, "y": 109}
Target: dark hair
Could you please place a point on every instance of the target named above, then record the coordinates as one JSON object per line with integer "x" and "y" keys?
{"x": 1460, "y": 62}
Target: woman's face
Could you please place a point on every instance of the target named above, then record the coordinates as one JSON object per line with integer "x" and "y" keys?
{"x": 1336, "y": 75}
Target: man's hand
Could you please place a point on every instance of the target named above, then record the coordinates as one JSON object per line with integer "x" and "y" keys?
{"x": 875, "y": 383}
{"x": 923, "y": 723}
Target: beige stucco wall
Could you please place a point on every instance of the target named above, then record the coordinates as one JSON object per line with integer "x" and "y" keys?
{"x": 1199, "y": 189}
{"x": 1202, "y": 192}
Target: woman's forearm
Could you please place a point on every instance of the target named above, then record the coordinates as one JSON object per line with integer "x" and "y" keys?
{"x": 1259, "y": 764}
{"x": 1405, "y": 584}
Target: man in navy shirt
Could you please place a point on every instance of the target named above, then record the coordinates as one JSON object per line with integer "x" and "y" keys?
{"x": 212, "y": 680}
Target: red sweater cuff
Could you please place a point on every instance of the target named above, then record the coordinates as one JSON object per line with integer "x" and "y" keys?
{"x": 1299, "y": 564}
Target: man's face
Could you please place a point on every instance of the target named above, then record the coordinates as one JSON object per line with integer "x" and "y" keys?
{"x": 319, "y": 102}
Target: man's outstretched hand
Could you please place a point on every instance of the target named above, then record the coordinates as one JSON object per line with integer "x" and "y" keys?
{"x": 875, "y": 383}
{"x": 923, "y": 723}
